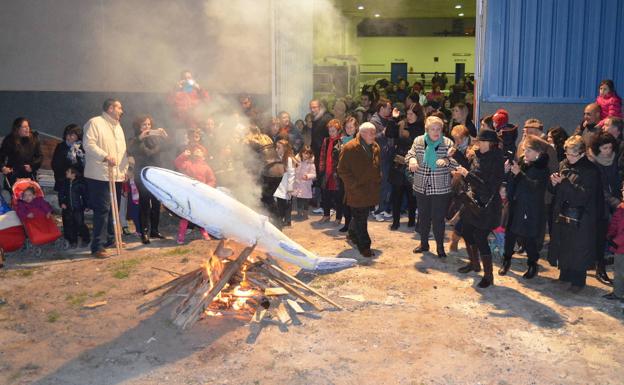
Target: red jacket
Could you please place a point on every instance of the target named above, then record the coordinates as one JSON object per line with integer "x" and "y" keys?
{"x": 616, "y": 231}
{"x": 196, "y": 168}
{"x": 610, "y": 105}
{"x": 186, "y": 103}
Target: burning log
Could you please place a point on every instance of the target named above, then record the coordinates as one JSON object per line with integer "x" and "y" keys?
{"x": 255, "y": 288}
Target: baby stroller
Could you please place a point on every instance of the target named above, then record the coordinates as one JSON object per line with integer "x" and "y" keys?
{"x": 11, "y": 232}
{"x": 40, "y": 231}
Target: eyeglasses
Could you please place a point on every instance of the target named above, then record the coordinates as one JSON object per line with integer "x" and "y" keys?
{"x": 573, "y": 155}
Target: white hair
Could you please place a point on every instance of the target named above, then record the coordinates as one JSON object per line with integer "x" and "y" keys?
{"x": 367, "y": 126}
{"x": 432, "y": 121}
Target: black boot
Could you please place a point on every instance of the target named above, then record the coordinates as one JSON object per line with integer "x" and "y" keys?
{"x": 601, "y": 274}
{"x": 394, "y": 226}
{"x": 144, "y": 239}
{"x": 473, "y": 260}
{"x": 421, "y": 248}
{"x": 440, "y": 251}
{"x": 475, "y": 252}
{"x": 505, "y": 267}
{"x": 156, "y": 234}
{"x": 531, "y": 272}
{"x": 488, "y": 276}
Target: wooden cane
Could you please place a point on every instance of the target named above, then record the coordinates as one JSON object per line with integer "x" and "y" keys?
{"x": 117, "y": 218}
{"x": 114, "y": 207}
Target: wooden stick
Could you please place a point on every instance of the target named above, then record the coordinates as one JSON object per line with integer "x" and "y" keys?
{"x": 297, "y": 293}
{"x": 274, "y": 267}
{"x": 174, "y": 281}
{"x": 295, "y": 306}
{"x": 115, "y": 209}
{"x": 283, "y": 315}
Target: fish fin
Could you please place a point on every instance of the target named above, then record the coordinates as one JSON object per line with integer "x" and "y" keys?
{"x": 333, "y": 264}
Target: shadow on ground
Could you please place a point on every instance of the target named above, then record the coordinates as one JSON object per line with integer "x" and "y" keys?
{"x": 153, "y": 343}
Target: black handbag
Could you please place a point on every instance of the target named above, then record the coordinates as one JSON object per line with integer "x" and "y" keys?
{"x": 472, "y": 205}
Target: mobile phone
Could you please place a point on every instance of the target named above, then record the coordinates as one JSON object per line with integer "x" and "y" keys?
{"x": 510, "y": 156}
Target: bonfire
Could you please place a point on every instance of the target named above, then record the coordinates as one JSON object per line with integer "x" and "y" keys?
{"x": 254, "y": 288}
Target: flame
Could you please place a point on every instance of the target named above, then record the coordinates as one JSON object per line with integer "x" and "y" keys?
{"x": 213, "y": 314}
{"x": 236, "y": 298}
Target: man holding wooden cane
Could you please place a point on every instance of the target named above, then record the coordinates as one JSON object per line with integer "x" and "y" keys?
{"x": 105, "y": 154}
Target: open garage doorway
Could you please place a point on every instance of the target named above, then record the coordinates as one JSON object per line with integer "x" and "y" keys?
{"x": 394, "y": 46}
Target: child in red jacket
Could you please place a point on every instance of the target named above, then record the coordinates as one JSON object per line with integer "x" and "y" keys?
{"x": 615, "y": 236}
{"x": 192, "y": 162}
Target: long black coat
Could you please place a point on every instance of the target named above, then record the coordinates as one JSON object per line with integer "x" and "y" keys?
{"x": 401, "y": 146}
{"x": 61, "y": 161}
{"x": 611, "y": 186}
{"x": 17, "y": 153}
{"x": 525, "y": 192}
{"x": 486, "y": 175}
{"x": 575, "y": 246}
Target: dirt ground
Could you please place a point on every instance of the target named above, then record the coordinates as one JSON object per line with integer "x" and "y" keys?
{"x": 414, "y": 321}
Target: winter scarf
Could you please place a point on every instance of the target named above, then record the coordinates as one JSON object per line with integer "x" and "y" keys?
{"x": 604, "y": 160}
{"x": 430, "y": 151}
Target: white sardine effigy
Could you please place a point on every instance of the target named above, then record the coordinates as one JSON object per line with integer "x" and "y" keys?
{"x": 225, "y": 217}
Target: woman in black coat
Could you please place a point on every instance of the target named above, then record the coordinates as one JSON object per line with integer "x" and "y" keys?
{"x": 68, "y": 153}
{"x": 147, "y": 148}
{"x": 484, "y": 180}
{"x": 20, "y": 153}
{"x": 604, "y": 155}
{"x": 526, "y": 185}
{"x": 578, "y": 194}
{"x": 404, "y": 134}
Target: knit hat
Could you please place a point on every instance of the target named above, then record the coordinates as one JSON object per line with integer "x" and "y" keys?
{"x": 500, "y": 118}
{"x": 486, "y": 135}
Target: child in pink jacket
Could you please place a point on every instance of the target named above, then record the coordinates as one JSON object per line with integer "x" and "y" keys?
{"x": 305, "y": 173}
{"x": 609, "y": 101}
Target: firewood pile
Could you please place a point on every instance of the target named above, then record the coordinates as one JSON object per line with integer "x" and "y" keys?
{"x": 253, "y": 288}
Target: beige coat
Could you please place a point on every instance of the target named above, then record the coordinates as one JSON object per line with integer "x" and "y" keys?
{"x": 103, "y": 136}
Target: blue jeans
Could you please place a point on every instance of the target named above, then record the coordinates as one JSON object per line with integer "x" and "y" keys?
{"x": 100, "y": 203}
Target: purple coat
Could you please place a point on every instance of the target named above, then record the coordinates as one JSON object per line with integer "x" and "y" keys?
{"x": 38, "y": 207}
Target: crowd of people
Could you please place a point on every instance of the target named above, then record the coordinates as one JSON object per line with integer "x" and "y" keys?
{"x": 394, "y": 149}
